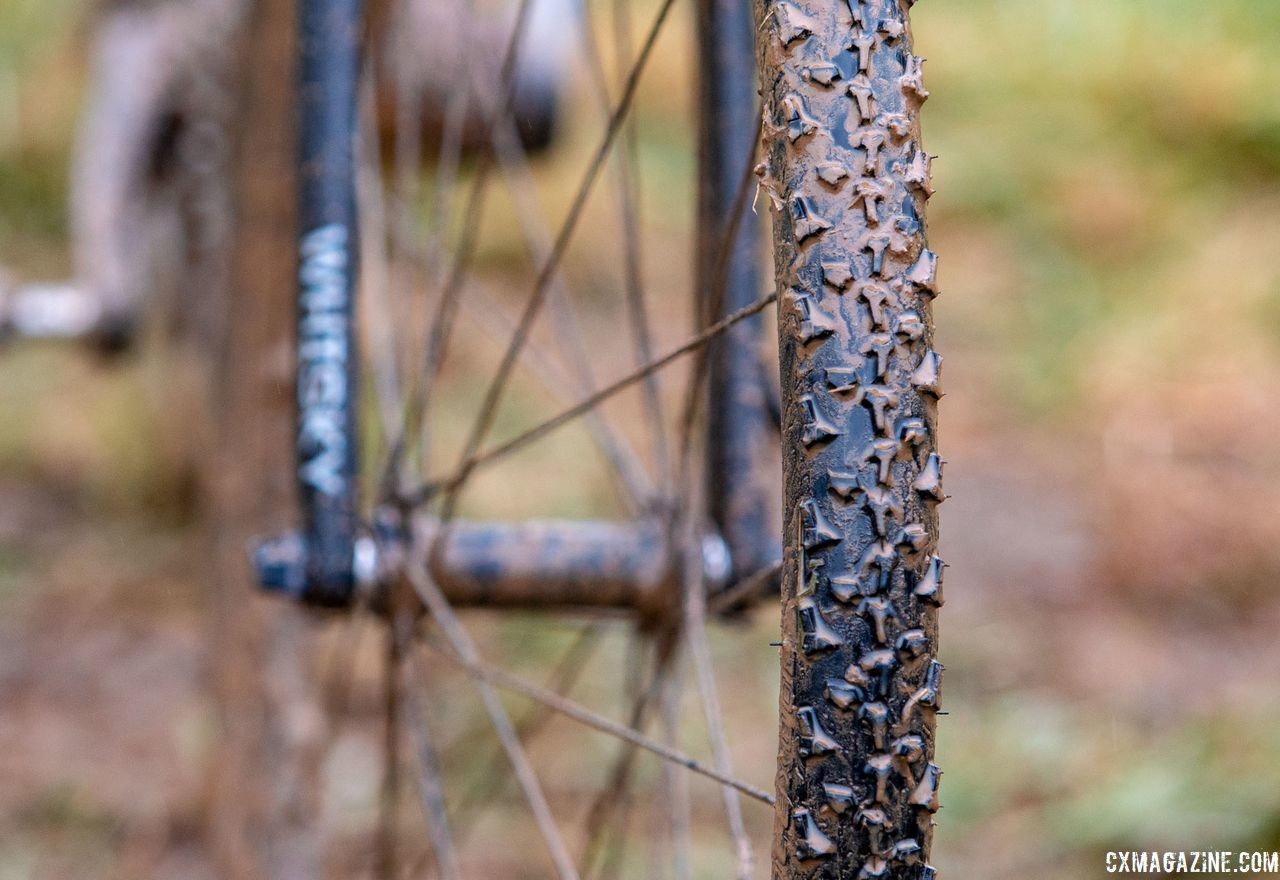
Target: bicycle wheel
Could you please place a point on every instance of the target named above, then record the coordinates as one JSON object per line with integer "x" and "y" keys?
{"x": 862, "y": 478}
{"x": 692, "y": 531}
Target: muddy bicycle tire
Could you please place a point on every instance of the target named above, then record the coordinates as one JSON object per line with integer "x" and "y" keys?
{"x": 862, "y": 584}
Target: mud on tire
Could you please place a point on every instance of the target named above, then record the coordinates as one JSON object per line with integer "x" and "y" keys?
{"x": 849, "y": 179}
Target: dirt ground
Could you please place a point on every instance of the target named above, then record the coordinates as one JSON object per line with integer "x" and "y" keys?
{"x": 1084, "y": 713}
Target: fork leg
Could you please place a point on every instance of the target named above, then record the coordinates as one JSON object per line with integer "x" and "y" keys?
{"x": 740, "y": 494}
{"x": 328, "y": 389}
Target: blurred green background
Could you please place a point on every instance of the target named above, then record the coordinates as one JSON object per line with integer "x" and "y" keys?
{"x": 1107, "y": 213}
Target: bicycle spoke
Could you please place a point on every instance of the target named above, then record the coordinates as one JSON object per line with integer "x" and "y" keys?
{"x": 489, "y": 317}
{"x": 463, "y": 646}
{"x": 404, "y": 231}
{"x": 606, "y": 804}
{"x": 571, "y": 665}
{"x": 695, "y": 621}
{"x": 745, "y": 590}
{"x": 676, "y": 804}
{"x": 386, "y": 845}
{"x": 404, "y": 399}
{"x": 380, "y": 346}
{"x": 514, "y": 165}
{"x": 565, "y": 676}
{"x": 431, "y": 795}
{"x": 608, "y": 809}
{"x": 488, "y": 407}
{"x": 406, "y": 145}
{"x": 468, "y": 465}
{"x": 487, "y": 673}
{"x": 440, "y": 326}
{"x": 447, "y": 164}
{"x": 625, "y": 174}
{"x": 638, "y": 313}
{"x": 510, "y": 156}
{"x": 430, "y": 789}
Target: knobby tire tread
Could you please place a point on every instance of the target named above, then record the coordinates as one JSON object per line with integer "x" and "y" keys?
{"x": 848, "y": 178}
